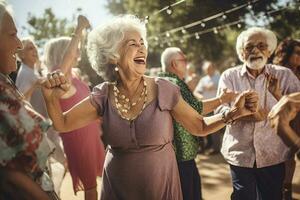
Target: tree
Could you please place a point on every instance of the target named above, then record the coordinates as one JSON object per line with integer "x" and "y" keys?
{"x": 47, "y": 26}
{"x": 217, "y": 45}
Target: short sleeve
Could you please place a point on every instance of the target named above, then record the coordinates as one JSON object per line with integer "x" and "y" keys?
{"x": 99, "y": 97}
{"x": 168, "y": 94}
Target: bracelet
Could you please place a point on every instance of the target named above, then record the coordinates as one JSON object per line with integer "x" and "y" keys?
{"x": 227, "y": 120}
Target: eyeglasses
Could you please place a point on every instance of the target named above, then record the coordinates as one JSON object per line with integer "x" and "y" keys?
{"x": 260, "y": 46}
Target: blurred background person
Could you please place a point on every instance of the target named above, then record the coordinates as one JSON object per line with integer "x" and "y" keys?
{"x": 82, "y": 144}
{"x": 28, "y": 81}
{"x": 24, "y": 148}
{"x": 206, "y": 89}
{"x": 287, "y": 54}
{"x": 192, "y": 78}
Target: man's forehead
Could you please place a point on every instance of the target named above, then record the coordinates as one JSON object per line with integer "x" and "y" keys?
{"x": 255, "y": 38}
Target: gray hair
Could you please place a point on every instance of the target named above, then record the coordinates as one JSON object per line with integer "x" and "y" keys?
{"x": 269, "y": 35}
{"x": 4, "y": 8}
{"x": 54, "y": 51}
{"x": 25, "y": 42}
{"x": 105, "y": 40}
{"x": 166, "y": 57}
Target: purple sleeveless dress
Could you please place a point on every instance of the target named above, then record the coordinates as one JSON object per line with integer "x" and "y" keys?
{"x": 140, "y": 163}
{"x": 83, "y": 147}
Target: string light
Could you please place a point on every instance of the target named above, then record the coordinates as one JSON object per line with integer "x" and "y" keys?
{"x": 167, "y": 34}
{"x": 224, "y": 16}
{"x": 215, "y": 30}
{"x": 202, "y": 21}
{"x": 169, "y": 10}
{"x": 147, "y": 19}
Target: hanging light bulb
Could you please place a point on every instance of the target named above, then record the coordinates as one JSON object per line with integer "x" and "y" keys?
{"x": 167, "y": 34}
{"x": 146, "y": 19}
{"x": 169, "y": 10}
{"x": 249, "y": 6}
{"x": 169, "y": 44}
{"x": 161, "y": 45}
{"x": 224, "y": 16}
{"x": 216, "y": 31}
{"x": 183, "y": 31}
{"x": 181, "y": 41}
{"x": 197, "y": 36}
{"x": 239, "y": 25}
{"x": 156, "y": 38}
{"x": 202, "y": 24}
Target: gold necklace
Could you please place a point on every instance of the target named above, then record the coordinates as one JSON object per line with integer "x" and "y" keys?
{"x": 123, "y": 103}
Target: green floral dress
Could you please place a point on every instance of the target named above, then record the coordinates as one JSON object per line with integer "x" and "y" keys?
{"x": 186, "y": 145}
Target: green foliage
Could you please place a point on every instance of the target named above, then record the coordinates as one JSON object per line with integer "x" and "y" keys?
{"x": 48, "y": 26}
{"x": 218, "y": 47}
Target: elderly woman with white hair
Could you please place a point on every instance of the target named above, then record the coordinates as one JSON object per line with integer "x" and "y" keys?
{"x": 255, "y": 153}
{"x": 137, "y": 112}
{"x": 82, "y": 144}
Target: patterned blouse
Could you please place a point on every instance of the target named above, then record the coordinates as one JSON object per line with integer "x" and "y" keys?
{"x": 186, "y": 145}
{"x": 23, "y": 143}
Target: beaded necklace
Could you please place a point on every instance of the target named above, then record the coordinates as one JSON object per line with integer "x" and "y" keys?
{"x": 123, "y": 103}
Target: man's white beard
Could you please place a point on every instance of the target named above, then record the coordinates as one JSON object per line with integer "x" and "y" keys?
{"x": 256, "y": 64}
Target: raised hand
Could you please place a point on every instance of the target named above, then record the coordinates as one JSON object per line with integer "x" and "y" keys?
{"x": 56, "y": 85}
{"x": 227, "y": 96}
{"x": 82, "y": 23}
{"x": 273, "y": 86}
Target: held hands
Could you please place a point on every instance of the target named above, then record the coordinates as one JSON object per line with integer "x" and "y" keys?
{"x": 56, "y": 85}
{"x": 227, "y": 96}
{"x": 246, "y": 103}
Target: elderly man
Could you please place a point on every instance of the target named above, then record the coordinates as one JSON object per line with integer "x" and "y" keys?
{"x": 174, "y": 66}
{"x": 255, "y": 153}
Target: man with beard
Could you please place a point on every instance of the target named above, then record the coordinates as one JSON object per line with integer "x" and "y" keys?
{"x": 256, "y": 155}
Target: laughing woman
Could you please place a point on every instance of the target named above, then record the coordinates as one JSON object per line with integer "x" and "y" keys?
{"x": 137, "y": 112}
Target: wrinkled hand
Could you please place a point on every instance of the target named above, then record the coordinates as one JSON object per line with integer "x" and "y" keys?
{"x": 82, "y": 23}
{"x": 273, "y": 86}
{"x": 285, "y": 110}
{"x": 247, "y": 103}
{"x": 227, "y": 96}
{"x": 56, "y": 85}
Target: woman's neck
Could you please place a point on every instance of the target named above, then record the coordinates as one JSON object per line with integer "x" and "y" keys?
{"x": 130, "y": 85}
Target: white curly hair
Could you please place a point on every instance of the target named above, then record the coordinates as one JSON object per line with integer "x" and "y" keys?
{"x": 104, "y": 43}
{"x": 241, "y": 39}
